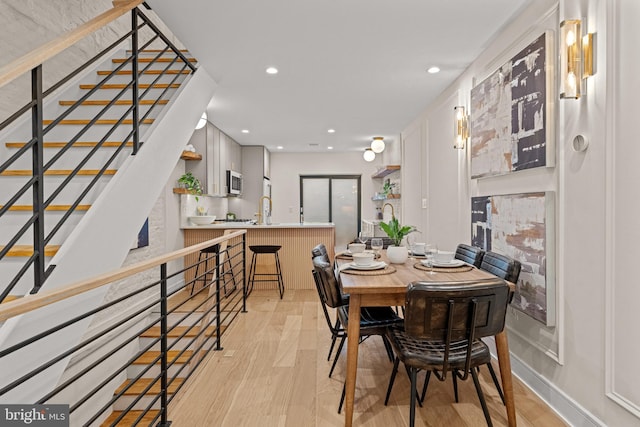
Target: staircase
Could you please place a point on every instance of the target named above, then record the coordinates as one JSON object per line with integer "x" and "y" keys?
{"x": 143, "y": 373}
{"x": 105, "y": 198}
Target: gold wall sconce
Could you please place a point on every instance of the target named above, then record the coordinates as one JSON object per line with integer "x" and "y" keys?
{"x": 576, "y": 58}
{"x": 460, "y": 127}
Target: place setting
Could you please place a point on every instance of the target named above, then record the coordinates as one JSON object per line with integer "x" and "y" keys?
{"x": 441, "y": 261}
{"x": 356, "y": 248}
{"x": 365, "y": 264}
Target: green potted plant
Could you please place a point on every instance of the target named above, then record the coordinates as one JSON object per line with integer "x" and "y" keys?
{"x": 397, "y": 253}
{"x": 193, "y": 186}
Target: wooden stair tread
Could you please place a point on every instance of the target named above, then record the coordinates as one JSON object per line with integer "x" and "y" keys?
{"x": 123, "y": 85}
{"x": 130, "y": 418}
{"x": 149, "y": 72}
{"x": 177, "y": 331}
{"x": 27, "y": 250}
{"x": 56, "y": 172}
{"x": 98, "y": 122}
{"x": 156, "y": 51}
{"x": 10, "y": 298}
{"x": 142, "y": 383}
{"x": 161, "y": 59}
{"x": 61, "y": 208}
{"x": 106, "y": 144}
{"x": 118, "y": 102}
{"x": 172, "y": 357}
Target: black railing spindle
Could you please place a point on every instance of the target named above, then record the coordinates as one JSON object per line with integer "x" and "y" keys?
{"x": 134, "y": 76}
{"x": 37, "y": 153}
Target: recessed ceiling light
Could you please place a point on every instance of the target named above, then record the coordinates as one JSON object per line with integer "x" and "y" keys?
{"x": 331, "y": 131}
{"x": 433, "y": 70}
{"x": 245, "y": 131}
{"x": 279, "y": 147}
{"x": 329, "y": 148}
{"x": 272, "y": 70}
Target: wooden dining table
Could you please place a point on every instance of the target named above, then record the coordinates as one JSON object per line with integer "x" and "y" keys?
{"x": 388, "y": 287}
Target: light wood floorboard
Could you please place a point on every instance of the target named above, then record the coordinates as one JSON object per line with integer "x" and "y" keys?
{"x": 273, "y": 371}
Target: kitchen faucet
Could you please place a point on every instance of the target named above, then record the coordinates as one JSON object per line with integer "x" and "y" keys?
{"x": 260, "y": 210}
{"x": 391, "y": 206}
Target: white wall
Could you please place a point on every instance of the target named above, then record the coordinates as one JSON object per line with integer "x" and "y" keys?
{"x": 286, "y": 169}
{"x": 584, "y": 366}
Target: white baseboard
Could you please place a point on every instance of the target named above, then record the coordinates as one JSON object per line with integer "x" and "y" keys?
{"x": 565, "y": 407}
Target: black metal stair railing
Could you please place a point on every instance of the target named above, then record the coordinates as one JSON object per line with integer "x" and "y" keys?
{"x": 43, "y": 197}
{"x": 195, "y": 318}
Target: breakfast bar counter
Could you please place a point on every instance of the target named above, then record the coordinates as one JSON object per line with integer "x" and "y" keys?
{"x": 296, "y": 239}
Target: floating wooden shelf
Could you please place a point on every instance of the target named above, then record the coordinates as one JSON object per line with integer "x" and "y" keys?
{"x": 387, "y": 197}
{"x": 181, "y": 191}
{"x": 189, "y": 155}
{"x": 389, "y": 169}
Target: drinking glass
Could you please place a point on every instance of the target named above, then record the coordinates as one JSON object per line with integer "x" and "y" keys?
{"x": 376, "y": 245}
{"x": 430, "y": 251}
{"x": 362, "y": 238}
{"x": 411, "y": 239}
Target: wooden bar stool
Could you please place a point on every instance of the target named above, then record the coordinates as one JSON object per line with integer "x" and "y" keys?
{"x": 273, "y": 277}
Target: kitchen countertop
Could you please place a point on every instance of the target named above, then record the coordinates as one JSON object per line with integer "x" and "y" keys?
{"x": 226, "y": 225}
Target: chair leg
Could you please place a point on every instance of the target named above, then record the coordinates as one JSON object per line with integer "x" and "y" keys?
{"x": 391, "y": 380}
{"x": 414, "y": 397}
{"x": 409, "y": 375}
{"x": 495, "y": 381}
{"x": 344, "y": 392}
{"x": 387, "y": 346}
{"x": 334, "y": 336}
{"x": 252, "y": 267}
{"x": 483, "y": 403}
{"x": 455, "y": 385}
{"x": 426, "y": 384}
{"x": 335, "y": 360}
{"x": 280, "y": 280}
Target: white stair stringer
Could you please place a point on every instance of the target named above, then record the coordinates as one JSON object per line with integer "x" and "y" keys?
{"x": 101, "y": 241}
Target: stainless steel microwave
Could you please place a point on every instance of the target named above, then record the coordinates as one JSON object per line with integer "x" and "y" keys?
{"x": 234, "y": 183}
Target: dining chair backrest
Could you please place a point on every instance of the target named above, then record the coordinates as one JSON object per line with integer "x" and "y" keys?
{"x": 320, "y": 250}
{"x": 328, "y": 285}
{"x": 470, "y": 254}
{"x": 449, "y": 312}
{"x": 501, "y": 265}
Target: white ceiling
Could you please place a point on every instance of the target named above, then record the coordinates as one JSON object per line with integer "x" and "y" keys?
{"x": 356, "y": 66}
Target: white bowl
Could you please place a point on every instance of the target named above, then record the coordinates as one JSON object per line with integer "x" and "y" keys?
{"x": 356, "y": 248}
{"x": 202, "y": 219}
{"x": 444, "y": 256}
{"x": 363, "y": 258}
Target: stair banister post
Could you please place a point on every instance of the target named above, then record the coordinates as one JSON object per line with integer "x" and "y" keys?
{"x": 134, "y": 76}
{"x": 164, "y": 331}
{"x": 38, "y": 173}
{"x": 244, "y": 276}
{"x": 218, "y": 322}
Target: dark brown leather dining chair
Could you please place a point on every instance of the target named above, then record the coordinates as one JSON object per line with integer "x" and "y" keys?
{"x": 443, "y": 327}
{"x": 373, "y": 320}
{"x": 470, "y": 254}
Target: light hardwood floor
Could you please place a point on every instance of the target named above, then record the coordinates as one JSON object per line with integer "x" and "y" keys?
{"x": 273, "y": 371}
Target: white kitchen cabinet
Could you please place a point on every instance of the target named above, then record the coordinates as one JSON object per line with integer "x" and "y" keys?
{"x": 255, "y": 167}
{"x": 219, "y": 153}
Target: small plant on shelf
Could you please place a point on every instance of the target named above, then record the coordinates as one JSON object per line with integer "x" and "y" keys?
{"x": 193, "y": 186}
{"x": 387, "y": 187}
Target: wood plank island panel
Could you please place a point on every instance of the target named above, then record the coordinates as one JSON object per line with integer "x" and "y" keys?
{"x": 295, "y": 255}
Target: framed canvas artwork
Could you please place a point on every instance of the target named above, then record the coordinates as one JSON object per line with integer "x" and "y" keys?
{"x": 512, "y": 126}
{"x": 521, "y": 226}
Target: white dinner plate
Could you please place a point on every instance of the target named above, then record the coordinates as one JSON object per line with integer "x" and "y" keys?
{"x": 376, "y": 265}
{"x": 452, "y": 263}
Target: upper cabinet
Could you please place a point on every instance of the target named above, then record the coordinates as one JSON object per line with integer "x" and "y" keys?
{"x": 220, "y": 153}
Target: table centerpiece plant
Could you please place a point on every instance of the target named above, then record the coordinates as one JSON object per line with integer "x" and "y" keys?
{"x": 397, "y": 253}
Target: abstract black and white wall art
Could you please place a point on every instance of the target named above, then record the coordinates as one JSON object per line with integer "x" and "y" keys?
{"x": 512, "y": 114}
{"x": 521, "y": 226}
